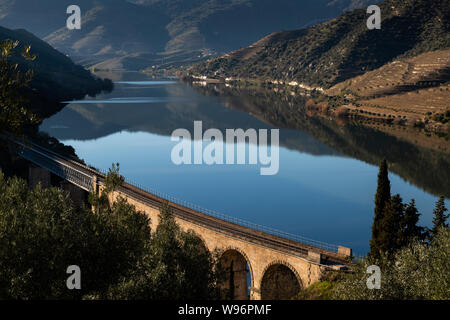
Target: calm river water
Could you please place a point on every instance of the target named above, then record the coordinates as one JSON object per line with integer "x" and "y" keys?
{"x": 322, "y": 191}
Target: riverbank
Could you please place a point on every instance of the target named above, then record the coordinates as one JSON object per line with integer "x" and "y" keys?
{"x": 394, "y": 110}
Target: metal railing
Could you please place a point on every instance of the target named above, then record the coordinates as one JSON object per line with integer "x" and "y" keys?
{"x": 62, "y": 170}
{"x": 234, "y": 220}
{"x": 84, "y": 181}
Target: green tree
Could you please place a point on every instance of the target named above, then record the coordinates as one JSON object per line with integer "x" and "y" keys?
{"x": 417, "y": 271}
{"x": 14, "y": 106}
{"x": 116, "y": 238}
{"x": 113, "y": 179}
{"x": 176, "y": 266}
{"x": 390, "y": 225}
{"x": 440, "y": 218}
{"x": 409, "y": 228}
{"x": 36, "y": 240}
{"x": 116, "y": 227}
{"x": 41, "y": 234}
{"x": 382, "y": 197}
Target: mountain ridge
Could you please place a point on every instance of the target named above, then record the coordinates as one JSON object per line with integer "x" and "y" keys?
{"x": 56, "y": 77}
{"x": 117, "y": 28}
{"x": 341, "y": 48}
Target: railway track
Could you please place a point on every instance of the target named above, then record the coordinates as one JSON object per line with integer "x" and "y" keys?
{"x": 78, "y": 173}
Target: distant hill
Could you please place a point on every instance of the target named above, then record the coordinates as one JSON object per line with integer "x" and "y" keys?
{"x": 117, "y": 28}
{"x": 113, "y": 28}
{"x": 39, "y": 17}
{"x": 56, "y": 78}
{"x": 147, "y": 62}
{"x": 326, "y": 54}
{"x": 226, "y": 25}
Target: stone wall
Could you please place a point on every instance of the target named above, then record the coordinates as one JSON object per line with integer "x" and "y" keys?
{"x": 259, "y": 258}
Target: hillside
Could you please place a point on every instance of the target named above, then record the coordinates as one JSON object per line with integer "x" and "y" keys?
{"x": 149, "y": 63}
{"x": 56, "y": 78}
{"x": 227, "y": 25}
{"x": 415, "y": 89}
{"x": 342, "y": 48}
{"x": 113, "y": 28}
{"x": 118, "y": 28}
{"x": 39, "y": 17}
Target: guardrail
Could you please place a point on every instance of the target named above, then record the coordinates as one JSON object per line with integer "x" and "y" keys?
{"x": 79, "y": 178}
{"x": 84, "y": 181}
{"x": 234, "y": 220}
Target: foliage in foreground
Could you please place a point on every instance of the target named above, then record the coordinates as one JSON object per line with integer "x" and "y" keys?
{"x": 321, "y": 290}
{"x": 418, "y": 271}
{"x": 176, "y": 265}
{"x": 41, "y": 234}
{"x": 413, "y": 259}
{"x": 14, "y": 111}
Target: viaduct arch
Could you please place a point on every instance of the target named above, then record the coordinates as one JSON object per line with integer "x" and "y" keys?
{"x": 248, "y": 250}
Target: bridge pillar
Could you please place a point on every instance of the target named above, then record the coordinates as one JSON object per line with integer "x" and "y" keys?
{"x": 235, "y": 265}
{"x": 240, "y": 275}
{"x": 77, "y": 195}
{"x": 259, "y": 263}
{"x": 315, "y": 257}
{"x": 267, "y": 265}
{"x": 94, "y": 184}
{"x": 255, "y": 293}
{"x": 37, "y": 174}
{"x": 347, "y": 252}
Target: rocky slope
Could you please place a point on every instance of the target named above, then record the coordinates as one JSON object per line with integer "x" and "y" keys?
{"x": 119, "y": 28}
{"x": 342, "y": 48}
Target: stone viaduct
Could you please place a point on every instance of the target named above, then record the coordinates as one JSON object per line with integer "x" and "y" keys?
{"x": 261, "y": 263}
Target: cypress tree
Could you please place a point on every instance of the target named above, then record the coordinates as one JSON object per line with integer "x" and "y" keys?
{"x": 382, "y": 197}
{"x": 393, "y": 214}
{"x": 440, "y": 218}
{"x": 408, "y": 226}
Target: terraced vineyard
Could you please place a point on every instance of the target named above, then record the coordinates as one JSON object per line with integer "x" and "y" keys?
{"x": 430, "y": 69}
{"x": 415, "y": 89}
{"x": 419, "y": 103}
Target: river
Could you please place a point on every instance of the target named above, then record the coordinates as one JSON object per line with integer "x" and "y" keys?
{"x": 327, "y": 177}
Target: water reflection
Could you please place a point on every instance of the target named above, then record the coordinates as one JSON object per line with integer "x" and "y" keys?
{"x": 322, "y": 191}
{"x": 425, "y": 163}
{"x": 132, "y": 100}
{"x": 146, "y": 83}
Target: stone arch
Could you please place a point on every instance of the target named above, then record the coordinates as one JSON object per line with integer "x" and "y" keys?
{"x": 280, "y": 274}
{"x": 236, "y": 267}
{"x": 200, "y": 237}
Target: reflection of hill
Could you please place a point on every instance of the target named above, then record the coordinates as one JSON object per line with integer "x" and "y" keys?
{"x": 56, "y": 77}
{"x": 339, "y": 49}
{"x": 420, "y": 165}
{"x": 260, "y": 108}
{"x": 92, "y": 121}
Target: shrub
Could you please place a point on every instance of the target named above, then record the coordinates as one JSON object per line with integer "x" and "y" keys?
{"x": 418, "y": 271}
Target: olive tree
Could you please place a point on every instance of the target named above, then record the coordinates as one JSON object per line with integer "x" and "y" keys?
{"x": 14, "y": 106}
